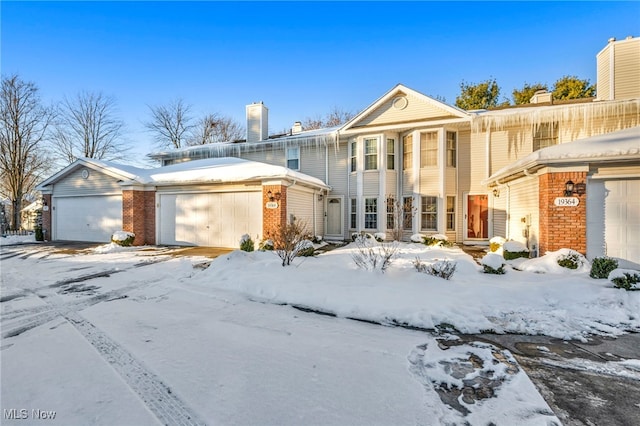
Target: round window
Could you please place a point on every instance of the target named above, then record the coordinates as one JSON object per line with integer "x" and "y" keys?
{"x": 400, "y": 102}
{"x": 85, "y": 173}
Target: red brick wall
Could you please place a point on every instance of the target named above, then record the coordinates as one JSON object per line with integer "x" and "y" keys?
{"x": 273, "y": 219}
{"x": 46, "y": 217}
{"x": 139, "y": 215}
{"x": 562, "y": 227}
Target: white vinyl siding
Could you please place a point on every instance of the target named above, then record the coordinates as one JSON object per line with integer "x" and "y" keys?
{"x": 95, "y": 184}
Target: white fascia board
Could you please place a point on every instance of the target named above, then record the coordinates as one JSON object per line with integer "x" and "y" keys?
{"x": 404, "y": 126}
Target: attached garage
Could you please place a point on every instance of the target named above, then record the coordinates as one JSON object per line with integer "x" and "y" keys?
{"x": 209, "y": 219}
{"x": 88, "y": 218}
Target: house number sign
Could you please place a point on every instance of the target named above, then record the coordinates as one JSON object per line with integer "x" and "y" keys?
{"x": 272, "y": 205}
{"x": 566, "y": 201}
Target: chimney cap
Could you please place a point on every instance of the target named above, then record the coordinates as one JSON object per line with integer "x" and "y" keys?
{"x": 612, "y": 39}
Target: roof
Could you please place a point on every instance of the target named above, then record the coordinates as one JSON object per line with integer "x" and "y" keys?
{"x": 622, "y": 145}
{"x": 210, "y": 170}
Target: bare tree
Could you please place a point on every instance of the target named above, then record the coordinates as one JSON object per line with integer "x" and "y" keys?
{"x": 214, "y": 128}
{"x": 335, "y": 117}
{"x": 171, "y": 124}
{"x": 24, "y": 124}
{"x": 88, "y": 127}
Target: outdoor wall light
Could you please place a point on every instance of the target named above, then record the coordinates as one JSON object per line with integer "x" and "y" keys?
{"x": 496, "y": 192}
{"x": 273, "y": 196}
{"x": 571, "y": 188}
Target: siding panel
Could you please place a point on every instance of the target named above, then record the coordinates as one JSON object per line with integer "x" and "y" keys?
{"x": 96, "y": 184}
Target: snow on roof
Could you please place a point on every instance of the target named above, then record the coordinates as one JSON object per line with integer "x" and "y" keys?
{"x": 222, "y": 170}
{"x": 614, "y": 146}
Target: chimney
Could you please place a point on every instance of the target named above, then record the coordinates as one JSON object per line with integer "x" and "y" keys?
{"x": 297, "y": 128}
{"x": 257, "y": 122}
{"x": 541, "y": 97}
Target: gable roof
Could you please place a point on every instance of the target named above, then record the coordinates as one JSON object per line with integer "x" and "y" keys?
{"x": 619, "y": 146}
{"x": 210, "y": 170}
{"x": 402, "y": 105}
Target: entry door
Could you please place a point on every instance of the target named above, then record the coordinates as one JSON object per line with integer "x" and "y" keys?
{"x": 476, "y": 217}
{"x": 334, "y": 217}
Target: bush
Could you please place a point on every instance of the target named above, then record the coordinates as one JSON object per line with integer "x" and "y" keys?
{"x": 246, "y": 243}
{"x": 265, "y": 244}
{"x": 625, "y": 278}
{"x": 440, "y": 268}
{"x": 305, "y": 248}
{"x": 418, "y": 238}
{"x": 438, "y": 240}
{"x": 287, "y": 239}
{"x": 380, "y": 236}
{"x": 123, "y": 238}
{"x": 514, "y": 250}
{"x": 493, "y": 263}
{"x": 571, "y": 260}
{"x": 39, "y": 233}
{"x": 601, "y": 267}
{"x": 495, "y": 243}
{"x": 371, "y": 255}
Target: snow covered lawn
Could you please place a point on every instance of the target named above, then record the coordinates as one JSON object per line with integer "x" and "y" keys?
{"x": 133, "y": 336}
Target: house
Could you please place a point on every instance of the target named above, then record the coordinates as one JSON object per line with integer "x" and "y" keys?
{"x": 31, "y": 215}
{"x": 470, "y": 175}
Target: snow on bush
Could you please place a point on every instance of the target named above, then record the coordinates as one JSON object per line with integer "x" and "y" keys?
{"x": 627, "y": 279}
{"x": 571, "y": 260}
{"x": 437, "y": 240}
{"x": 417, "y": 238}
{"x": 380, "y": 236}
{"x": 265, "y": 245}
{"x": 493, "y": 263}
{"x": 514, "y": 250}
{"x": 123, "y": 238}
{"x": 305, "y": 248}
{"x": 601, "y": 267}
{"x": 549, "y": 264}
{"x": 373, "y": 256}
{"x": 442, "y": 268}
{"x": 496, "y": 243}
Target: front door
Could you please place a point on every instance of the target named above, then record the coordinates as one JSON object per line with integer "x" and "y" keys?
{"x": 477, "y": 217}
{"x": 334, "y": 217}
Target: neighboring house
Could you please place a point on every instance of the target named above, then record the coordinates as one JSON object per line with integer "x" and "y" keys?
{"x": 31, "y": 216}
{"x": 470, "y": 175}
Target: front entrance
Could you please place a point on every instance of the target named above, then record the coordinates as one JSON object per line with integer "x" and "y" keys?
{"x": 476, "y": 217}
{"x": 335, "y": 217}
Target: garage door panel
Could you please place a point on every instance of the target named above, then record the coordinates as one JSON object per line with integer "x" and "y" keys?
{"x": 622, "y": 219}
{"x": 210, "y": 219}
{"x": 91, "y": 218}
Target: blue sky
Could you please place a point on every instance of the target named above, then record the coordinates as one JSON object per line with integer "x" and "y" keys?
{"x": 299, "y": 58}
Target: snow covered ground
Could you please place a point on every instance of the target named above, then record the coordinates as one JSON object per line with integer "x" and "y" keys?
{"x": 135, "y": 336}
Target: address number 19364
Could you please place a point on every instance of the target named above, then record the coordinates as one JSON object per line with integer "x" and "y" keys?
{"x": 566, "y": 201}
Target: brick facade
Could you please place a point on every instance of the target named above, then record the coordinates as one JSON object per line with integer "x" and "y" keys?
{"x": 562, "y": 226}
{"x": 46, "y": 216}
{"x": 139, "y": 215}
{"x": 273, "y": 219}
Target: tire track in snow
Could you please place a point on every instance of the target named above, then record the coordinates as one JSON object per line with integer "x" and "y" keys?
{"x": 157, "y": 396}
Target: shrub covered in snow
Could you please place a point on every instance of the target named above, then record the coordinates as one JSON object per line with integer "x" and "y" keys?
{"x": 123, "y": 238}
{"x": 418, "y": 238}
{"x": 627, "y": 279}
{"x": 601, "y": 267}
{"x": 571, "y": 260}
{"x": 442, "y": 268}
{"x": 438, "y": 240}
{"x": 514, "y": 250}
{"x": 371, "y": 255}
{"x": 493, "y": 263}
{"x": 265, "y": 244}
{"x": 380, "y": 236}
{"x": 246, "y": 243}
{"x": 495, "y": 243}
{"x": 305, "y": 248}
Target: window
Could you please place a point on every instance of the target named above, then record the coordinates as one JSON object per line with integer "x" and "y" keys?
{"x": 545, "y": 135}
{"x": 428, "y": 149}
{"x": 451, "y": 213}
{"x": 429, "y": 210}
{"x": 293, "y": 158}
{"x": 353, "y": 214}
{"x": 407, "y": 213}
{"x": 354, "y": 155}
{"x": 407, "y": 152}
{"x": 390, "y": 212}
{"x": 451, "y": 149}
{"x": 391, "y": 154}
{"x": 370, "y": 154}
{"x": 371, "y": 213}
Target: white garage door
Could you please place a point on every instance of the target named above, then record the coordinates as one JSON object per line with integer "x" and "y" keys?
{"x": 622, "y": 219}
{"x": 91, "y": 218}
{"x": 210, "y": 219}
